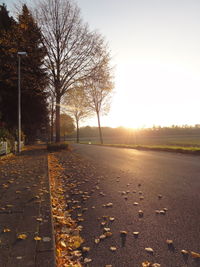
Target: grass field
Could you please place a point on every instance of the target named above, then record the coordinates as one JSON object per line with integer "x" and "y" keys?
{"x": 178, "y": 143}
{"x": 179, "y": 140}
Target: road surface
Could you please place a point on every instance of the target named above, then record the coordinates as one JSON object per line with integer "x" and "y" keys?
{"x": 166, "y": 187}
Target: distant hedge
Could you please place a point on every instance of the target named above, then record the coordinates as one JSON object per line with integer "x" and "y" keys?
{"x": 57, "y": 147}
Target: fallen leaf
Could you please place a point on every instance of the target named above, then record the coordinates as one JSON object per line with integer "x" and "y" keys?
{"x": 46, "y": 239}
{"x": 169, "y": 242}
{"x": 102, "y": 236}
{"x": 195, "y": 255}
{"x": 146, "y": 264}
{"x": 162, "y": 212}
{"x": 22, "y": 236}
{"x": 97, "y": 240}
{"x": 9, "y": 206}
{"x": 85, "y": 249}
{"x": 37, "y": 238}
{"x": 108, "y": 234}
{"x": 184, "y": 252}
{"x": 123, "y": 233}
{"x": 113, "y": 249}
{"x": 140, "y": 213}
{"x": 63, "y": 244}
{"x": 150, "y": 250}
{"x": 6, "y": 230}
{"x": 110, "y": 204}
{"x": 136, "y": 234}
{"x": 87, "y": 260}
{"x": 77, "y": 253}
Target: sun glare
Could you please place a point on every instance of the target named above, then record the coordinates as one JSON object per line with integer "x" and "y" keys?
{"x": 146, "y": 95}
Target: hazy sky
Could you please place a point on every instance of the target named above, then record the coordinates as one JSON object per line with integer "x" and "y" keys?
{"x": 155, "y": 46}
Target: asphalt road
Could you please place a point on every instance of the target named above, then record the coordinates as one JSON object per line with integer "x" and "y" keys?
{"x": 124, "y": 176}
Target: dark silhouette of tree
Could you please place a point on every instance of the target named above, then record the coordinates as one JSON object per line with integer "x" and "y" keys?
{"x": 23, "y": 35}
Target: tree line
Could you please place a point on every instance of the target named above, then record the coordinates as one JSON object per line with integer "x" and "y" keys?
{"x": 155, "y": 131}
{"x": 67, "y": 69}
{"x": 22, "y": 34}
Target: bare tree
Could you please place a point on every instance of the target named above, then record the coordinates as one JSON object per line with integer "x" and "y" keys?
{"x": 99, "y": 87}
{"x": 70, "y": 46}
{"x": 52, "y": 113}
{"x": 77, "y": 106}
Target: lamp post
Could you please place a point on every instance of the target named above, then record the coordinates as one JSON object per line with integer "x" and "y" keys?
{"x": 19, "y": 99}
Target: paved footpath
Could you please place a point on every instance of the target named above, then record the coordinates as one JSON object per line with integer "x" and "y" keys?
{"x": 25, "y": 212}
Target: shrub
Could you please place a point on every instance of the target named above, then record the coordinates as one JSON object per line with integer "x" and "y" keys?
{"x": 6, "y": 136}
{"x": 57, "y": 147}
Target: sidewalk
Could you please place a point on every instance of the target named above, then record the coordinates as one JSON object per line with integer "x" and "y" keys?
{"x": 25, "y": 212}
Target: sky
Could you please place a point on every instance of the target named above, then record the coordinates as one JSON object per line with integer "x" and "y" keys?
{"x": 155, "y": 50}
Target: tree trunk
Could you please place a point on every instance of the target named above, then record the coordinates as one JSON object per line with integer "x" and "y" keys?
{"x": 100, "y": 132}
{"x": 57, "y": 118}
{"x": 77, "y": 131}
{"x": 52, "y": 121}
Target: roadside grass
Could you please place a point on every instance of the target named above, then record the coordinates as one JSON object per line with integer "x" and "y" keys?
{"x": 168, "y": 148}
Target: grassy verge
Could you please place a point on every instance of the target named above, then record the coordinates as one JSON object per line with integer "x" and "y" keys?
{"x": 178, "y": 149}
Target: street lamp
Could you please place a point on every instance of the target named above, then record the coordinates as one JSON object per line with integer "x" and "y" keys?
{"x": 19, "y": 99}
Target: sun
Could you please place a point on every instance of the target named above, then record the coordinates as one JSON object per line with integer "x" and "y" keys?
{"x": 143, "y": 95}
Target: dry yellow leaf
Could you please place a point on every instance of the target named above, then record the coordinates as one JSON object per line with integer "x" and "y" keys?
{"x": 97, "y": 240}
{"x": 123, "y": 233}
{"x": 6, "y": 230}
{"x": 195, "y": 255}
{"x": 37, "y": 238}
{"x": 146, "y": 264}
{"x": 22, "y": 236}
{"x": 86, "y": 249}
{"x": 169, "y": 242}
{"x": 62, "y": 243}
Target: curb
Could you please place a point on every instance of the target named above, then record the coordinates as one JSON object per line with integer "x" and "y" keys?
{"x": 51, "y": 215}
